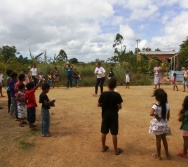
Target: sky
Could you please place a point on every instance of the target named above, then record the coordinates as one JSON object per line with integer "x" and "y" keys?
{"x": 86, "y": 29}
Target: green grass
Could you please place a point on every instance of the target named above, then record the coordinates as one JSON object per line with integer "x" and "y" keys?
{"x": 26, "y": 145}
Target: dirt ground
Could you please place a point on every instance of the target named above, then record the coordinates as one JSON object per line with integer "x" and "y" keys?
{"x": 75, "y": 126}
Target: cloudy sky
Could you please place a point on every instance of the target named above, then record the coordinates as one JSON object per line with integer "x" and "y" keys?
{"x": 86, "y": 29}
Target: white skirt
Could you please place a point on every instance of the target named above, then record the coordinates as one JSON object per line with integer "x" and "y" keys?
{"x": 21, "y": 111}
{"x": 158, "y": 128}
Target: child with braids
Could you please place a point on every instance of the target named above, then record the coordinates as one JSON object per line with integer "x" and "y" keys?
{"x": 183, "y": 117}
{"x": 159, "y": 124}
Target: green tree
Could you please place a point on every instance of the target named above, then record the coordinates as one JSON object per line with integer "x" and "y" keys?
{"x": 8, "y": 52}
{"x": 73, "y": 61}
{"x": 62, "y": 56}
{"x": 183, "y": 53}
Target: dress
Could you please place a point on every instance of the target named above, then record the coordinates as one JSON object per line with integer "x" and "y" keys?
{"x": 21, "y": 105}
{"x": 127, "y": 78}
{"x": 184, "y": 125}
{"x": 157, "y": 75}
{"x": 159, "y": 127}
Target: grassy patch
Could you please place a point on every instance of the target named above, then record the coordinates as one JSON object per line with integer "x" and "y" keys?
{"x": 26, "y": 145}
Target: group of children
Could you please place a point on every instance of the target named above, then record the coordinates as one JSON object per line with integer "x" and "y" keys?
{"x": 110, "y": 101}
{"x": 22, "y": 103}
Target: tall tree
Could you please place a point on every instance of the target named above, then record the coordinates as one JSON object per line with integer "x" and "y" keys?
{"x": 8, "y": 52}
{"x": 62, "y": 56}
{"x": 118, "y": 41}
{"x": 183, "y": 53}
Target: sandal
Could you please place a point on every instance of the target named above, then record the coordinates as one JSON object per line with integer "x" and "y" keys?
{"x": 33, "y": 129}
{"x": 181, "y": 155}
{"x": 105, "y": 149}
{"x": 119, "y": 151}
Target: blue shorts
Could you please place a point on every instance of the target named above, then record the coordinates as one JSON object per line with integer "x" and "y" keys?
{"x": 76, "y": 81}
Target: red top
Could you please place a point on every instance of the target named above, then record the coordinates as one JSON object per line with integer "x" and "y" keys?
{"x": 30, "y": 98}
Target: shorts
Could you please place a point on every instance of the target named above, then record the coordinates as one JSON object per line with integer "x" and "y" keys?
{"x": 185, "y": 82}
{"x": 110, "y": 122}
{"x": 31, "y": 115}
{"x": 56, "y": 78}
{"x": 184, "y": 132}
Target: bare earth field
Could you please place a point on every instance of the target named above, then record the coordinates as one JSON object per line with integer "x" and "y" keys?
{"x": 75, "y": 126}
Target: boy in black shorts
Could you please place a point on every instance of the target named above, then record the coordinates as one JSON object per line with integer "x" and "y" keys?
{"x": 110, "y": 102}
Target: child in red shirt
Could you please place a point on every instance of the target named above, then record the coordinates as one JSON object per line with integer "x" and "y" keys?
{"x": 31, "y": 104}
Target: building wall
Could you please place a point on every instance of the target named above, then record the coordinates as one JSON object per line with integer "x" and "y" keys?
{"x": 160, "y": 57}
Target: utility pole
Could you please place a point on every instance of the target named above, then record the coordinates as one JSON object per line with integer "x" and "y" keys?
{"x": 137, "y": 41}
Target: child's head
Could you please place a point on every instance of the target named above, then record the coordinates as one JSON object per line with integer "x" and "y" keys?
{"x": 111, "y": 69}
{"x": 161, "y": 97}
{"x": 45, "y": 87}
{"x": 22, "y": 77}
{"x": 112, "y": 83}
{"x": 174, "y": 74}
{"x": 13, "y": 75}
{"x": 30, "y": 85}
{"x": 21, "y": 86}
{"x": 8, "y": 72}
{"x": 75, "y": 70}
{"x": 1, "y": 70}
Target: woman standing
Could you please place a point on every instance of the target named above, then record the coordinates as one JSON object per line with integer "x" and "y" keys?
{"x": 34, "y": 74}
{"x": 100, "y": 73}
{"x": 157, "y": 75}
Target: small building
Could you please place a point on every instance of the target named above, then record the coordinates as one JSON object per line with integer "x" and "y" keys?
{"x": 161, "y": 55}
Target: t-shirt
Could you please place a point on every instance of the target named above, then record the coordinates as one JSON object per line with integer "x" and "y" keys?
{"x": 100, "y": 71}
{"x": 30, "y": 98}
{"x": 12, "y": 85}
{"x": 184, "y": 125}
{"x": 109, "y": 101}
{"x": 157, "y": 71}
{"x": 43, "y": 97}
{"x": 111, "y": 74}
{"x": 1, "y": 78}
{"x": 158, "y": 109}
{"x": 76, "y": 75}
{"x": 56, "y": 73}
{"x": 16, "y": 87}
{"x": 34, "y": 71}
{"x": 69, "y": 71}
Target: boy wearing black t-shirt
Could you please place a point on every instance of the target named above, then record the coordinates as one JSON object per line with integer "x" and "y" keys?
{"x": 110, "y": 101}
{"x": 46, "y": 103}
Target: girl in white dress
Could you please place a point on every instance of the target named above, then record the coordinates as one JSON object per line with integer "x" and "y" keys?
{"x": 159, "y": 124}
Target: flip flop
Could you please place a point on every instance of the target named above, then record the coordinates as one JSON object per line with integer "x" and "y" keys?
{"x": 21, "y": 125}
{"x": 105, "y": 149}
{"x": 119, "y": 151}
{"x": 33, "y": 129}
{"x": 181, "y": 155}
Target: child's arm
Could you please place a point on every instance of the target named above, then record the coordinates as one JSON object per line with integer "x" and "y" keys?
{"x": 152, "y": 113}
{"x": 119, "y": 106}
{"x": 181, "y": 116}
{"x": 37, "y": 85}
{"x": 99, "y": 104}
{"x": 168, "y": 115}
{"x": 49, "y": 102}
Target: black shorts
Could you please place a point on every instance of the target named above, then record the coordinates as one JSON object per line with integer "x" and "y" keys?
{"x": 110, "y": 122}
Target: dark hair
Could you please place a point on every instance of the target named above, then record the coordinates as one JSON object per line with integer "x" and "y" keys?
{"x": 21, "y": 76}
{"x": 8, "y": 72}
{"x": 174, "y": 74}
{"x": 30, "y": 85}
{"x": 184, "y": 105}
{"x": 13, "y": 75}
{"x": 21, "y": 86}
{"x": 161, "y": 97}
{"x": 45, "y": 86}
{"x": 112, "y": 83}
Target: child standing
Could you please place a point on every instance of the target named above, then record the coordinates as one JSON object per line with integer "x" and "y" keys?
{"x": 1, "y": 82}
{"x": 49, "y": 81}
{"x": 111, "y": 73}
{"x": 76, "y": 77}
{"x": 183, "y": 117}
{"x": 110, "y": 101}
{"x": 127, "y": 79}
{"x": 31, "y": 104}
{"x": 13, "y": 106}
{"x": 21, "y": 105}
{"x": 8, "y": 88}
{"x": 43, "y": 98}
{"x": 159, "y": 124}
{"x": 174, "y": 82}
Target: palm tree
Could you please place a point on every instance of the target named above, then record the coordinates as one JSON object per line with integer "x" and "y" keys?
{"x": 35, "y": 59}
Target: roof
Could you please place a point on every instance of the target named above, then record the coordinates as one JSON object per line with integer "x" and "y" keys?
{"x": 158, "y": 52}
